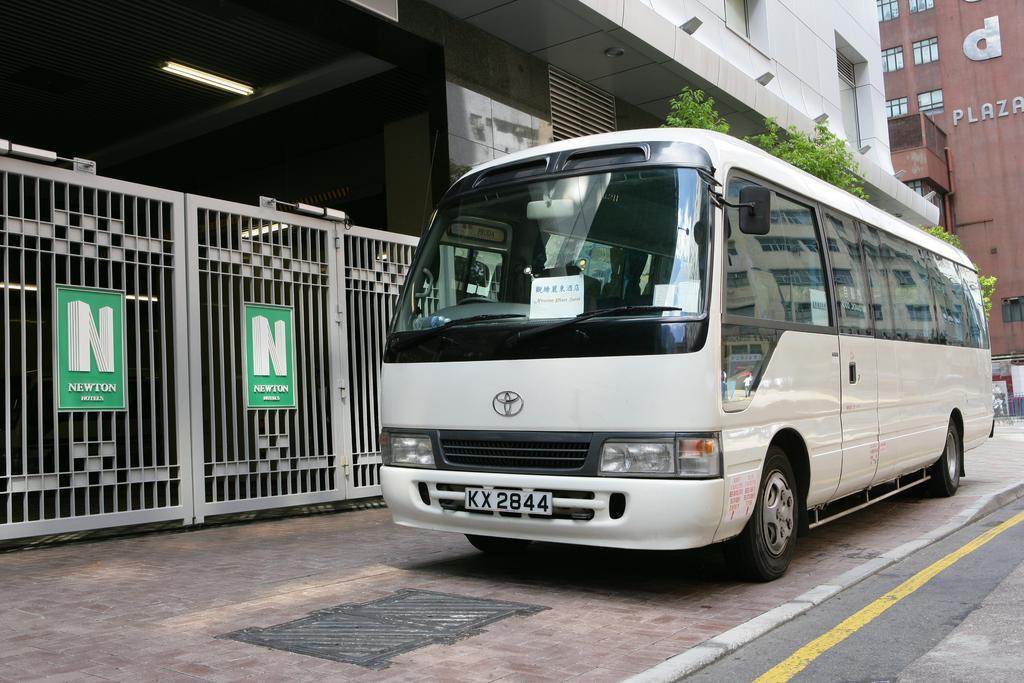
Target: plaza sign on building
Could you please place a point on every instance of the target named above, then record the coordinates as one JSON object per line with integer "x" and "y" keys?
{"x": 269, "y": 356}
{"x": 90, "y": 349}
{"x": 981, "y": 45}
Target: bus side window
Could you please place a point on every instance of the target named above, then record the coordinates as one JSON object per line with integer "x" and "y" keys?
{"x": 779, "y": 276}
{"x": 881, "y": 304}
{"x": 851, "y": 290}
{"x": 911, "y": 292}
{"x": 977, "y": 334}
{"x": 949, "y": 299}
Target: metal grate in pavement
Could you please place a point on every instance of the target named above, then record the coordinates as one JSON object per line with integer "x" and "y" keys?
{"x": 370, "y": 633}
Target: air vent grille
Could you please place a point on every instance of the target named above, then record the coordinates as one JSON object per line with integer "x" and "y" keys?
{"x": 846, "y": 69}
{"x": 578, "y": 108}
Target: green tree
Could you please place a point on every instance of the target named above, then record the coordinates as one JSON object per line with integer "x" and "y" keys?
{"x": 692, "y": 108}
{"x": 823, "y": 154}
{"x": 988, "y": 282}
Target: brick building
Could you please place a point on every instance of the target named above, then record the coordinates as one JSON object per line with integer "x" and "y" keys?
{"x": 954, "y": 89}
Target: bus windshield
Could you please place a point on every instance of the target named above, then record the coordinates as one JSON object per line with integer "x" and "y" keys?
{"x": 561, "y": 247}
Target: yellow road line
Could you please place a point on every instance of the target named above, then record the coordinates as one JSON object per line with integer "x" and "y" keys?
{"x": 802, "y": 658}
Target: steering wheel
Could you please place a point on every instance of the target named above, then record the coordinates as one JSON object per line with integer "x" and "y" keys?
{"x": 474, "y": 299}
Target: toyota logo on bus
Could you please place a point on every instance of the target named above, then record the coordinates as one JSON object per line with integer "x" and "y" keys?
{"x": 507, "y": 403}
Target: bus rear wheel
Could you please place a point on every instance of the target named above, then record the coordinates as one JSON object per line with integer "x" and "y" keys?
{"x": 764, "y": 549}
{"x": 497, "y": 546}
{"x": 945, "y": 473}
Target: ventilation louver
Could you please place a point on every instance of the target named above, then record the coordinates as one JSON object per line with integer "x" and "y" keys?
{"x": 846, "y": 69}
{"x": 578, "y": 108}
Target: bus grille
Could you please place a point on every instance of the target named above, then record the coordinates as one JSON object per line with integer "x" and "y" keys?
{"x": 516, "y": 455}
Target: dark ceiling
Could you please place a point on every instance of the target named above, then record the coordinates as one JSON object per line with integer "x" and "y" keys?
{"x": 83, "y": 78}
{"x": 76, "y": 76}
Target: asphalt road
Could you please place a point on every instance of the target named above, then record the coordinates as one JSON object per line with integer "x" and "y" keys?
{"x": 962, "y": 624}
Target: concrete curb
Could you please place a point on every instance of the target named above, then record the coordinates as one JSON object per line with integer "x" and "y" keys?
{"x": 716, "y": 648}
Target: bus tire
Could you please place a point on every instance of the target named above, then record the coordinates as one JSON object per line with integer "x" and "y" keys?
{"x": 945, "y": 472}
{"x": 497, "y": 546}
{"x": 765, "y": 547}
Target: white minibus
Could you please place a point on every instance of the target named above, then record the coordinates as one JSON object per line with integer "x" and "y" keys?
{"x": 667, "y": 338}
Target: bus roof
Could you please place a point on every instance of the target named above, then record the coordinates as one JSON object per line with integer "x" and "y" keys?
{"x": 728, "y": 152}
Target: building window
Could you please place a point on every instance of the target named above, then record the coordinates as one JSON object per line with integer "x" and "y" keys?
{"x": 1013, "y": 310}
{"x": 919, "y": 312}
{"x": 930, "y": 102}
{"x": 924, "y": 189}
{"x": 892, "y": 59}
{"x": 926, "y": 51}
{"x": 904, "y": 278}
{"x": 779, "y": 244}
{"x": 896, "y": 107}
{"x": 737, "y": 279}
{"x": 736, "y": 17}
{"x": 887, "y": 9}
{"x": 921, "y": 5}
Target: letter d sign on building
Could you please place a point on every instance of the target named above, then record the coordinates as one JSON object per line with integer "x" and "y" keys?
{"x": 269, "y": 356}
{"x": 90, "y": 349}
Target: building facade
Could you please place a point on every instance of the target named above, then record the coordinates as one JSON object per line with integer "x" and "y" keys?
{"x": 371, "y": 106}
{"x": 796, "y": 62}
{"x": 954, "y": 92}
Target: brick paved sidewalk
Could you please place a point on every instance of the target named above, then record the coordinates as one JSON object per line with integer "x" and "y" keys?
{"x": 150, "y": 607}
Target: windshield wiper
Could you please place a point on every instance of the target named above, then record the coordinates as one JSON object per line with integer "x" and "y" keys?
{"x": 423, "y": 335}
{"x": 518, "y": 336}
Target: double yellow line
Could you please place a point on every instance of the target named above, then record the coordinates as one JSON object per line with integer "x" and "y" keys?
{"x": 803, "y": 657}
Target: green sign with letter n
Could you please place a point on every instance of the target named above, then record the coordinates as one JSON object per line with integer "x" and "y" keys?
{"x": 90, "y": 349}
{"x": 269, "y": 356}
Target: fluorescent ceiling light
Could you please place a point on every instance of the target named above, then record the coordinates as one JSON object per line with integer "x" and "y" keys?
{"x": 273, "y": 227}
{"x": 821, "y": 118}
{"x": 141, "y": 297}
{"x": 765, "y": 78}
{"x": 19, "y": 286}
{"x": 207, "y": 78}
{"x": 865, "y": 149}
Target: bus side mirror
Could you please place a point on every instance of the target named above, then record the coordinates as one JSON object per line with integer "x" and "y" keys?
{"x": 755, "y": 217}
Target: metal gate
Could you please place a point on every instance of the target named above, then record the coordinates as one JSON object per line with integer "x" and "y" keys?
{"x": 375, "y": 264}
{"x": 167, "y": 357}
{"x": 261, "y": 456}
{"x": 109, "y": 451}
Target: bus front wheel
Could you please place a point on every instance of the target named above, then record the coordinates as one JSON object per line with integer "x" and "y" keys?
{"x": 765, "y": 547}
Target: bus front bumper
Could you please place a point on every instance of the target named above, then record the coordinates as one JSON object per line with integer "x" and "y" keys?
{"x": 649, "y": 514}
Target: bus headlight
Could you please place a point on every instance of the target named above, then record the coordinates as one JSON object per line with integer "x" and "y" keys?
{"x": 651, "y": 458}
{"x": 406, "y": 450}
{"x": 687, "y": 456}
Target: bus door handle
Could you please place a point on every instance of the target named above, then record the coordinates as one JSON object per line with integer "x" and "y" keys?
{"x": 853, "y": 372}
